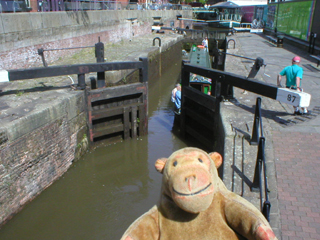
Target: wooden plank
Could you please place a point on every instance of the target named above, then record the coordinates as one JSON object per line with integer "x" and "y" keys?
{"x": 143, "y": 74}
{"x": 102, "y": 125}
{"x": 205, "y": 141}
{"x": 200, "y": 98}
{"x": 185, "y": 78}
{"x": 126, "y": 123}
{"x": 143, "y": 121}
{"x": 118, "y": 91}
{"x": 52, "y": 71}
{"x": 104, "y": 113}
{"x": 106, "y": 130}
{"x": 134, "y": 121}
{"x": 144, "y": 112}
{"x": 132, "y": 100}
{"x": 200, "y": 119}
{"x": 109, "y": 112}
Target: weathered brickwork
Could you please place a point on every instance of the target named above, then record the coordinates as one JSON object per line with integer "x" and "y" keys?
{"x": 34, "y": 153}
{"x": 33, "y": 162}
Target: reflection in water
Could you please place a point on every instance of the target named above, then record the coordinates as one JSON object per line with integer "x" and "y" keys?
{"x": 105, "y": 191}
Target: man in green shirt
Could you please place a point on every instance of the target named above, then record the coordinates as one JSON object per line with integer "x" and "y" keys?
{"x": 293, "y": 75}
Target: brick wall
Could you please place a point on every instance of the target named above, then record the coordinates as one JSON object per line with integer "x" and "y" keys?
{"x": 32, "y": 162}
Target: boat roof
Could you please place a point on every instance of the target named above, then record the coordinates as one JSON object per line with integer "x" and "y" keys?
{"x": 203, "y": 82}
{"x": 224, "y": 5}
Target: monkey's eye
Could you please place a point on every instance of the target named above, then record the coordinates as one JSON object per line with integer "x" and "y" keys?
{"x": 200, "y": 160}
{"x": 175, "y": 163}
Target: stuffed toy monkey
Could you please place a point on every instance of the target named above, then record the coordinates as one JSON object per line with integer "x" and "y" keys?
{"x": 195, "y": 204}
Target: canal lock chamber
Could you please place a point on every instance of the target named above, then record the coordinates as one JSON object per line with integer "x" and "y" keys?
{"x": 110, "y": 186}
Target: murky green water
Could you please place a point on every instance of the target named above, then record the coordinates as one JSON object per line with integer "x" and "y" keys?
{"x": 109, "y": 187}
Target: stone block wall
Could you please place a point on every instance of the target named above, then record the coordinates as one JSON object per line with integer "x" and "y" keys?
{"x": 22, "y": 34}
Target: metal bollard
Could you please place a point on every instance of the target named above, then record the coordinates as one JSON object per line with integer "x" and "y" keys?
{"x": 41, "y": 53}
{"x": 280, "y": 38}
{"x": 256, "y": 67}
{"x": 99, "y": 51}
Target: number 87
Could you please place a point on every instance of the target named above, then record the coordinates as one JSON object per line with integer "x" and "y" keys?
{"x": 291, "y": 98}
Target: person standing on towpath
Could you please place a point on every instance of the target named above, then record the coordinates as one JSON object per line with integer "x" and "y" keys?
{"x": 294, "y": 74}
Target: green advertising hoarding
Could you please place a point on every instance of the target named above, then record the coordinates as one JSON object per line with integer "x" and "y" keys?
{"x": 291, "y": 18}
{"x": 271, "y": 19}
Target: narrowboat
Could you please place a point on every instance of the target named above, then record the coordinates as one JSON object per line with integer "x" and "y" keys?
{"x": 199, "y": 55}
{"x": 220, "y": 15}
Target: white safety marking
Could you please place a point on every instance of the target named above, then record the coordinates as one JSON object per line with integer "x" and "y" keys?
{"x": 293, "y": 97}
{"x": 4, "y": 76}
{"x": 257, "y": 30}
{"x": 156, "y": 28}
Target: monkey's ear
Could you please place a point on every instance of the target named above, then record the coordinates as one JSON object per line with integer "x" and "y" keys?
{"x": 217, "y": 158}
{"x": 160, "y": 163}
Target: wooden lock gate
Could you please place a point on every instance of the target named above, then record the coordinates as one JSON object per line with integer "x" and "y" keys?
{"x": 113, "y": 112}
{"x": 118, "y": 112}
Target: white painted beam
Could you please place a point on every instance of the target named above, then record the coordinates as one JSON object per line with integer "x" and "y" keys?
{"x": 293, "y": 97}
{"x": 4, "y": 76}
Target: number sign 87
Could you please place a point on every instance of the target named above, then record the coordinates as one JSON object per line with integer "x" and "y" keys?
{"x": 291, "y": 98}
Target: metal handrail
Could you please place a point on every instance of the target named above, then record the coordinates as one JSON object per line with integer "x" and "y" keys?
{"x": 257, "y": 124}
{"x": 260, "y": 163}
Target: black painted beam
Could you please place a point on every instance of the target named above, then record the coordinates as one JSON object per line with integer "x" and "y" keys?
{"x": 23, "y": 74}
{"x": 235, "y": 80}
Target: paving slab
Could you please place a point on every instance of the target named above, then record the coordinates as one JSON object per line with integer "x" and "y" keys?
{"x": 292, "y": 142}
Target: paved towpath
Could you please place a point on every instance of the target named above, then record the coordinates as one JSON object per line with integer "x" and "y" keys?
{"x": 293, "y": 141}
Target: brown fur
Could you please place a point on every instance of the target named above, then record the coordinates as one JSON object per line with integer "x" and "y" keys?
{"x": 195, "y": 204}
